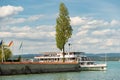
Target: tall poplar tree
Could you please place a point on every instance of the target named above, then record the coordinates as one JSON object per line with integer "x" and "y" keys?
{"x": 63, "y": 28}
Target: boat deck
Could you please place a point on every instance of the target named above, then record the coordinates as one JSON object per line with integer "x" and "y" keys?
{"x": 39, "y": 62}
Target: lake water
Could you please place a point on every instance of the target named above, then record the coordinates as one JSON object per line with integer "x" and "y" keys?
{"x": 112, "y": 73}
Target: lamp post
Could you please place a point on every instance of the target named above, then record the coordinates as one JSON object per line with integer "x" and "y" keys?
{"x": 69, "y": 46}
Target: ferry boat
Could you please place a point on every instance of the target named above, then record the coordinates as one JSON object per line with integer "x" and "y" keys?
{"x": 86, "y": 63}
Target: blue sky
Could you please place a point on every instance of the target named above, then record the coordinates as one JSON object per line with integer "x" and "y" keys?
{"x": 95, "y": 23}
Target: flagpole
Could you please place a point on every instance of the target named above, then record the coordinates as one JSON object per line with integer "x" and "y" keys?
{"x": 13, "y": 48}
{"x": 21, "y": 48}
{"x": 2, "y": 51}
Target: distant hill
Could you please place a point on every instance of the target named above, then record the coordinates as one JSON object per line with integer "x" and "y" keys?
{"x": 99, "y": 57}
{"x": 27, "y": 55}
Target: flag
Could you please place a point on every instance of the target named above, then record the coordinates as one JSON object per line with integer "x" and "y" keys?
{"x": 10, "y": 43}
{"x": 1, "y": 42}
{"x": 21, "y": 45}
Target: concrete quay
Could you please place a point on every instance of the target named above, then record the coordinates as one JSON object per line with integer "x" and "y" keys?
{"x": 14, "y": 68}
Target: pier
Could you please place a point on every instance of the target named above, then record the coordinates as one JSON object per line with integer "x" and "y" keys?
{"x": 14, "y": 68}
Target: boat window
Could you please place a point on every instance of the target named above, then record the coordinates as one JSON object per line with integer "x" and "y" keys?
{"x": 82, "y": 63}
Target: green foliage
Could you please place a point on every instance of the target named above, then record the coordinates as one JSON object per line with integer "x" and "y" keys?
{"x": 7, "y": 53}
{"x": 63, "y": 27}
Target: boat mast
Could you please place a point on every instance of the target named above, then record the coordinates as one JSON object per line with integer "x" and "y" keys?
{"x": 105, "y": 58}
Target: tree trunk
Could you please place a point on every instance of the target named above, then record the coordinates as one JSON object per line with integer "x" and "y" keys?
{"x": 63, "y": 54}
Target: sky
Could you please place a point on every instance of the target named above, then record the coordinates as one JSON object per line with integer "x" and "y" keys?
{"x": 95, "y": 23}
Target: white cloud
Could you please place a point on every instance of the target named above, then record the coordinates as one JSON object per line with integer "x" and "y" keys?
{"x": 94, "y": 35}
{"x": 5, "y": 34}
{"x": 52, "y": 34}
{"x": 97, "y": 33}
{"x": 93, "y": 27}
{"x": 7, "y": 21}
{"x": 46, "y": 28}
{"x": 115, "y": 23}
{"x": 109, "y": 42}
{"x": 29, "y": 32}
{"x": 82, "y": 33}
{"x": 34, "y": 18}
{"x": 10, "y": 20}
{"x": 102, "y": 32}
{"x": 112, "y": 42}
{"x": 77, "y": 20}
{"x": 93, "y": 41}
{"x": 107, "y": 33}
{"x": 20, "y": 29}
{"x": 34, "y": 38}
{"x": 93, "y": 22}
{"x": 86, "y": 27}
{"x": 9, "y": 10}
{"x": 88, "y": 40}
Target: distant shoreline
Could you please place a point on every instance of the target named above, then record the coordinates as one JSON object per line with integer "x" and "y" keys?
{"x": 96, "y": 57}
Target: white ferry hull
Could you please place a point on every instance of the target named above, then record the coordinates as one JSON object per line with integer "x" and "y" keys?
{"x": 94, "y": 67}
